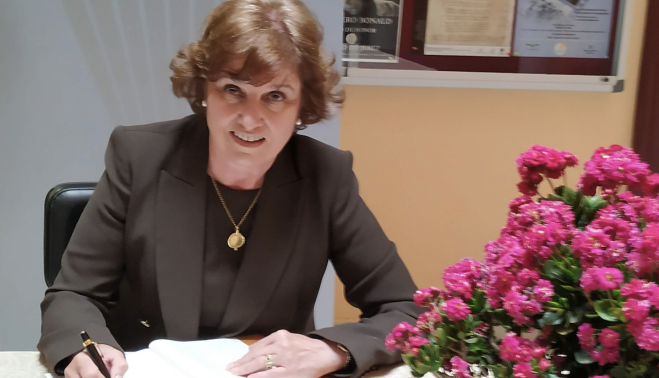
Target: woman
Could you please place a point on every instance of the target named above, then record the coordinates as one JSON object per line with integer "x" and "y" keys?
{"x": 221, "y": 224}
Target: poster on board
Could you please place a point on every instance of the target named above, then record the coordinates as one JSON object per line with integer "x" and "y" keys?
{"x": 371, "y": 30}
{"x": 563, "y": 28}
{"x": 469, "y": 27}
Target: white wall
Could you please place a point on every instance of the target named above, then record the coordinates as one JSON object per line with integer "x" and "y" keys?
{"x": 70, "y": 70}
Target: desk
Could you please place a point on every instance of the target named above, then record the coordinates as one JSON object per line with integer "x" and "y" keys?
{"x": 26, "y": 365}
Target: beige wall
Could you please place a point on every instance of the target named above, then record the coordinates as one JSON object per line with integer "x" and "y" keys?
{"x": 437, "y": 165}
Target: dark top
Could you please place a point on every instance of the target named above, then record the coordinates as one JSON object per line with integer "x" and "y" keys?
{"x": 221, "y": 262}
{"x": 133, "y": 270}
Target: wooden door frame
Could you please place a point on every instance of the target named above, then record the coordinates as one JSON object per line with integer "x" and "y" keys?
{"x": 646, "y": 125}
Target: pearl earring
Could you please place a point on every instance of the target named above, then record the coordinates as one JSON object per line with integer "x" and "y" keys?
{"x": 298, "y": 123}
{"x": 203, "y": 103}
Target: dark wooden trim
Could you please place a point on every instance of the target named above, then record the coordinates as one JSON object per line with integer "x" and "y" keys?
{"x": 646, "y": 127}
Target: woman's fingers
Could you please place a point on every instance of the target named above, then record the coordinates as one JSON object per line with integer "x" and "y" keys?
{"x": 273, "y": 373}
{"x": 255, "y": 365}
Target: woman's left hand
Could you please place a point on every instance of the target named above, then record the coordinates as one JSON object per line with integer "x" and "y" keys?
{"x": 291, "y": 355}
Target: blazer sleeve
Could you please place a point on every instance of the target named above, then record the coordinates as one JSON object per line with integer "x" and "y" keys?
{"x": 375, "y": 278}
{"x": 92, "y": 266}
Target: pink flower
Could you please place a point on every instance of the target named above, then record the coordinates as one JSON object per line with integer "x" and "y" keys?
{"x": 509, "y": 348}
{"x": 603, "y": 243}
{"x": 514, "y": 305}
{"x": 609, "y": 278}
{"x": 609, "y": 338}
{"x": 400, "y": 336}
{"x": 612, "y": 167}
{"x": 427, "y": 297}
{"x": 462, "y": 278}
{"x": 639, "y": 289}
{"x": 586, "y": 335}
{"x": 606, "y": 356}
{"x": 429, "y": 321}
{"x": 517, "y": 202}
{"x": 544, "y": 364}
{"x": 587, "y": 281}
{"x": 523, "y": 370}
{"x": 635, "y": 309}
{"x": 390, "y": 342}
{"x": 645, "y": 258}
{"x": 601, "y": 279}
{"x": 538, "y": 161}
{"x": 527, "y": 277}
{"x": 417, "y": 342}
{"x": 460, "y": 367}
{"x": 538, "y": 352}
{"x": 544, "y": 291}
{"x": 646, "y": 333}
{"x": 651, "y": 188}
{"x": 456, "y": 309}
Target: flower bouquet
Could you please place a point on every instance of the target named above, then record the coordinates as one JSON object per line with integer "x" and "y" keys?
{"x": 568, "y": 289}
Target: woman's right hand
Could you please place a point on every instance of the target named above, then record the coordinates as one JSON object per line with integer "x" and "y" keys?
{"x": 82, "y": 366}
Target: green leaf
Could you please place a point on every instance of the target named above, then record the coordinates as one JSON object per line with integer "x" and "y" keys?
{"x": 563, "y": 330}
{"x": 461, "y": 335}
{"x": 576, "y": 273}
{"x": 551, "y": 318}
{"x": 575, "y": 316}
{"x": 472, "y": 340}
{"x": 554, "y": 197}
{"x": 569, "y": 196}
{"x": 442, "y": 337}
{"x": 421, "y": 368}
{"x": 583, "y": 357}
{"x": 592, "y": 316}
{"x": 452, "y": 339}
{"x": 499, "y": 371}
{"x": 605, "y": 311}
{"x": 570, "y": 288}
{"x": 552, "y": 271}
{"x": 618, "y": 372}
{"x": 478, "y": 302}
{"x": 554, "y": 304}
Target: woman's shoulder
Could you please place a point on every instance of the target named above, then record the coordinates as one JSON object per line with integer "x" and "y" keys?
{"x": 153, "y": 136}
{"x": 171, "y": 127}
{"x": 318, "y": 158}
{"x": 150, "y": 146}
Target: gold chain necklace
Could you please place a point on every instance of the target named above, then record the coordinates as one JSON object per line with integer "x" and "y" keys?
{"x": 236, "y": 240}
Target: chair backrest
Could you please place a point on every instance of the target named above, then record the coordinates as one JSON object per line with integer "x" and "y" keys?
{"x": 64, "y": 204}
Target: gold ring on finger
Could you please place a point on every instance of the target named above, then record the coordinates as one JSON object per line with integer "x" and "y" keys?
{"x": 268, "y": 362}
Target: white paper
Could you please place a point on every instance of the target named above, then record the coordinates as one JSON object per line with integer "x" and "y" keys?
{"x": 469, "y": 27}
{"x": 183, "y": 359}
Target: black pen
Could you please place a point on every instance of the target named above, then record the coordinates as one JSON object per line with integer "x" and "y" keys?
{"x": 90, "y": 346}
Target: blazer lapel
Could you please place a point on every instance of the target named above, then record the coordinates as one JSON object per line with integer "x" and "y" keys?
{"x": 269, "y": 245}
{"x": 180, "y": 233}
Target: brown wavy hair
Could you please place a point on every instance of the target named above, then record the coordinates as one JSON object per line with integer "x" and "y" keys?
{"x": 267, "y": 35}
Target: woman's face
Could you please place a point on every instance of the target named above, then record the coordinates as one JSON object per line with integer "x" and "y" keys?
{"x": 248, "y": 124}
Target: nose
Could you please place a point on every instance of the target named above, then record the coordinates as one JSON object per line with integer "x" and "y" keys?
{"x": 251, "y": 116}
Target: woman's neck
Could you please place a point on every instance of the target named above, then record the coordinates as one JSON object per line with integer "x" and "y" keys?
{"x": 237, "y": 175}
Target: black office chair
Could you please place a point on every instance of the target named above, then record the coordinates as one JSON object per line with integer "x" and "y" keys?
{"x": 64, "y": 204}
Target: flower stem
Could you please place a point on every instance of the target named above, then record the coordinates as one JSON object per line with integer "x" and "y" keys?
{"x": 559, "y": 254}
{"x": 610, "y": 298}
{"x": 551, "y": 184}
{"x": 587, "y": 294}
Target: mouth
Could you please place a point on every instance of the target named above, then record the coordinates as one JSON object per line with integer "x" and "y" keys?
{"x": 247, "y": 140}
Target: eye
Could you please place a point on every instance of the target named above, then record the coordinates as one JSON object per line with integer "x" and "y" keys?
{"x": 276, "y": 96}
{"x": 232, "y": 90}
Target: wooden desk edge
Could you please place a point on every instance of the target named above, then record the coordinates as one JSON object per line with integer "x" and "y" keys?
{"x": 251, "y": 339}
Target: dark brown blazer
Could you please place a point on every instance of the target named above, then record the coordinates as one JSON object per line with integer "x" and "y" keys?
{"x": 132, "y": 272}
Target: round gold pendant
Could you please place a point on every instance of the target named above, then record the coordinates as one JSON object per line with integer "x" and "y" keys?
{"x": 236, "y": 240}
